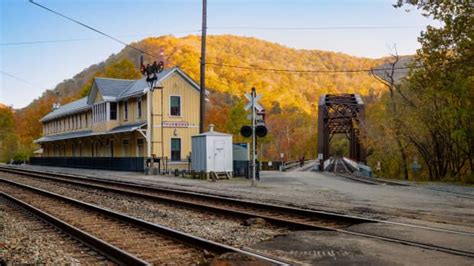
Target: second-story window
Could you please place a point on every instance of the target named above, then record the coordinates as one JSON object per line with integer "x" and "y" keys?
{"x": 125, "y": 110}
{"x": 113, "y": 111}
{"x": 139, "y": 107}
{"x": 175, "y": 105}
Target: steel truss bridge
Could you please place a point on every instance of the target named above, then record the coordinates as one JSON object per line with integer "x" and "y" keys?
{"x": 341, "y": 114}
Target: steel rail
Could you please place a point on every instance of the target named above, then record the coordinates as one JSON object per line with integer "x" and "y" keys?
{"x": 109, "y": 251}
{"x": 299, "y": 211}
{"x": 349, "y": 175}
{"x": 212, "y": 198}
{"x": 197, "y": 242}
{"x": 292, "y": 210}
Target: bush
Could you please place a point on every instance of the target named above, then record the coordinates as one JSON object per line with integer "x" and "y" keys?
{"x": 20, "y": 157}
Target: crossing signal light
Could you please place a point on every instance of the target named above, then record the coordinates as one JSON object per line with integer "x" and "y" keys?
{"x": 261, "y": 131}
{"x": 246, "y": 131}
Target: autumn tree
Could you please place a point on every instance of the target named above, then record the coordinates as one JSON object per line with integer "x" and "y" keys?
{"x": 8, "y": 139}
{"x": 438, "y": 115}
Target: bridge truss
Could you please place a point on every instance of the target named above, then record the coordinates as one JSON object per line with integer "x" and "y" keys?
{"x": 341, "y": 114}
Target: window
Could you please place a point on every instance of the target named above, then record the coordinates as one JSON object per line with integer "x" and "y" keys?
{"x": 140, "y": 149}
{"x": 111, "y": 144}
{"x": 113, "y": 111}
{"x": 139, "y": 107}
{"x": 87, "y": 122}
{"x": 175, "y": 105}
{"x": 125, "y": 111}
{"x": 175, "y": 149}
{"x": 125, "y": 148}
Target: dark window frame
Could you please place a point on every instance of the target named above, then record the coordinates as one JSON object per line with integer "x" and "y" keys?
{"x": 125, "y": 110}
{"x": 139, "y": 107}
{"x": 113, "y": 111}
{"x": 175, "y": 154}
{"x": 175, "y": 111}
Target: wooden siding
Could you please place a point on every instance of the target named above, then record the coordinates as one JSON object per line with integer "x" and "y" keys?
{"x": 174, "y": 85}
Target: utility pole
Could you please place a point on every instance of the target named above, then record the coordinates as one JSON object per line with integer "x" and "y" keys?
{"x": 203, "y": 68}
{"x": 254, "y": 142}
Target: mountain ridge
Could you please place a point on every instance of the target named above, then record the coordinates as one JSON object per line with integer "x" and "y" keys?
{"x": 280, "y": 90}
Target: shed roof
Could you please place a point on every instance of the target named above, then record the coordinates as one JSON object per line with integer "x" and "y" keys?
{"x": 66, "y": 109}
{"x": 89, "y": 133}
{"x": 212, "y": 133}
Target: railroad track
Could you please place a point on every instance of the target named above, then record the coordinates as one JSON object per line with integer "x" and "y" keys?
{"x": 343, "y": 170}
{"x": 123, "y": 239}
{"x": 280, "y": 215}
{"x": 38, "y": 227}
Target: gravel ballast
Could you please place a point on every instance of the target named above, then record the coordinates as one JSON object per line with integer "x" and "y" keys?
{"x": 26, "y": 240}
{"x": 209, "y": 226}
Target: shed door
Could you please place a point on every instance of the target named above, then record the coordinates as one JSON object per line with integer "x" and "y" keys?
{"x": 219, "y": 156}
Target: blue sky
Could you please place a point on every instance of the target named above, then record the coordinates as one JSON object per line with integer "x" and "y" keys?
{"x": 41, "y": 66}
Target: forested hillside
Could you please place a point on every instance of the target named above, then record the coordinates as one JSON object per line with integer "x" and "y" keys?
{"x": 290, "y": 99}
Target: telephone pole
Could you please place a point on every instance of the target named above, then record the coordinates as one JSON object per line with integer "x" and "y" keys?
{"x": 203, "y": 68}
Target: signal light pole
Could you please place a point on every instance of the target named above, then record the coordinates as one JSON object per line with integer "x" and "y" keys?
{"x": 254, "y": 130}
{"x": 253, "y": 137}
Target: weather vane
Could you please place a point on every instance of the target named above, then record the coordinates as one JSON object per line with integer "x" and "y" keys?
{"x": 151, "y": 71}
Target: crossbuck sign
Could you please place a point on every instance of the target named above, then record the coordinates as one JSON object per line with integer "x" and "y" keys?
{"x": 253, "y": 101}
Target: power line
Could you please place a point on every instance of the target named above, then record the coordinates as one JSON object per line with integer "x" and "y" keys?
{"x": 318, "y": 28}
{"x": 225, "y": 65}
{"x": 92, "y": 28}
{"x": 308, "y": 71}
{"x": 88, "y": 39}
{"x": 18, "y": 79}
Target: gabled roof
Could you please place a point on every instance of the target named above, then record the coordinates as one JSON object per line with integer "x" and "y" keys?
{"x": 109, "y": 87}
{"x": 66, "y": 109}
{"x": 115, "y": 89}
{"x": 140, "y": 85}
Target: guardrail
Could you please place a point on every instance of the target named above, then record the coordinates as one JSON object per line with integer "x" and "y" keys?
{"x": 293, "y": 164}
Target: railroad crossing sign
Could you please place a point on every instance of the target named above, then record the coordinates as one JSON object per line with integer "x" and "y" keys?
{"x": 259, "y": 117}
{"x": 253, "y": 101}
{"x": 257, "y": 128}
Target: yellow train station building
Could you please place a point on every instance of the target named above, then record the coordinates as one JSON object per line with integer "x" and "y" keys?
{"x": 122, "y": 122}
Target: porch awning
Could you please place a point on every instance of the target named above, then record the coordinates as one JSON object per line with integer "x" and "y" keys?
{"x": 90, "y": 133}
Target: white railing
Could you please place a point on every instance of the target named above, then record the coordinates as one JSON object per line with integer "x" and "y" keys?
{"x": 355, "y": 165}
{"x": 327, "y": 163}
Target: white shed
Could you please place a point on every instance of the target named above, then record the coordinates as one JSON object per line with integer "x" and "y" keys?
{"x": 212, "y": 152}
